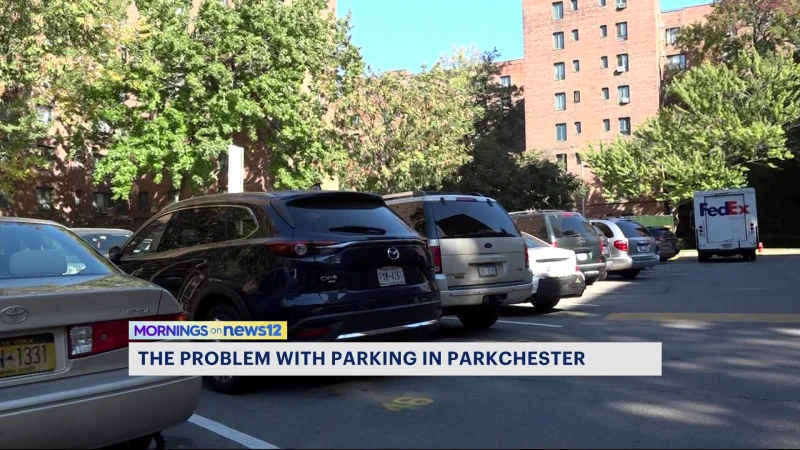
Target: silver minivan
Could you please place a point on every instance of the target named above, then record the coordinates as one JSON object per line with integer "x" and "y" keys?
{"x": 632, "y": 246}
{"x": 481, "y": 258}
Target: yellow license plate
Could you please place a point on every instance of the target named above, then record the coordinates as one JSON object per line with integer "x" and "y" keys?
{"x": 26, "y": 355}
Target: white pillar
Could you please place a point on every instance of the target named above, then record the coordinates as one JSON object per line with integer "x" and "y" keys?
{"x": 235, "y": 169}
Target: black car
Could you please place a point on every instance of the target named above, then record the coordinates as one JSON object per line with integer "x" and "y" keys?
{"x": 336, "y": 265}
{"x": 668, "y": 245}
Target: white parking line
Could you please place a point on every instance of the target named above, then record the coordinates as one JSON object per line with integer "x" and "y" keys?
{"x": 229, "y": 433}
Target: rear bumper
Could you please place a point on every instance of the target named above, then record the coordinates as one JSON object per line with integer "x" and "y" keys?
{"x": 560, "y": 287}
{"x": 505, "y": 295}
{"x": 92, "y": 411}
{"x": 638, "y": 262}
{"x": 592, "y": 269}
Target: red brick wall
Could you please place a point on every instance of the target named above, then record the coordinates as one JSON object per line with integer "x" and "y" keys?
{"x": 515, "y": 68}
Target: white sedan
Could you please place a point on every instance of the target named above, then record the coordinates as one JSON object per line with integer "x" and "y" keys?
{"x": 557, "y": 272}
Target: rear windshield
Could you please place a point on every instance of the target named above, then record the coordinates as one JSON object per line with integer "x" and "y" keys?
{"x": 660, "y": 232}
{"x": 571, "y": 225}
{"x": 104, "y": 241}
{"x": 40, "y": 250}
{"x": 633, "y": 229}
{"x": 346, "y": 216}
{"x": 604, "y": 229}
{"x": 469, "y": 219}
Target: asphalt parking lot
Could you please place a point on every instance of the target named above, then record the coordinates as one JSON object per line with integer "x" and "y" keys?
{"x": 731, "y": 377}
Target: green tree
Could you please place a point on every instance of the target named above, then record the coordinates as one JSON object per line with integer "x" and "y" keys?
{"x": 44, "y": 44}
{"x": 721, "y": 120}
{"x": 186, "y": 84}
{"x": 408, "y": 132}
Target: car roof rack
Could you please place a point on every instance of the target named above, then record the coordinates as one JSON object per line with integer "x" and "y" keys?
{"x": 428, "y": 193}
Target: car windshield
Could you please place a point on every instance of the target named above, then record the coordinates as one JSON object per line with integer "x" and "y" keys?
{"x": 104, "y": 241}
{"x": 571, "y": 225}
{"x": 30, "y": 250}
{"x": 632, "y": 229}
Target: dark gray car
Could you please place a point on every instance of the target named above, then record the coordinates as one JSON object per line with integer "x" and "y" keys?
{"x": 668, "y": 245}
{"x": 569, "y": 230}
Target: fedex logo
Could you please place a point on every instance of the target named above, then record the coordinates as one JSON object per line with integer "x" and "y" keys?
{"x": 730, "y": 208}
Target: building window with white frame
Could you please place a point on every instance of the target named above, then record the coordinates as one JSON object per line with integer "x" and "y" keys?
{"x": 624, "y": 94}
{"x": 622, "y": 62}
{"x": 558, "y": 41}
{"x": 625, "y": 126}
{"x": 558, "y": 10}
{"x": 575, "y": 35}
{"x": 672, "y": 35}
{"x": 604, "y": 62}
{"x": 505, "y": 81}
{"x": 560, "y": 71}
{"x": 561, "y": 160}
{"x": 561, "y": 132}
{"x": 622, "y": 31}
{"x": 675, "y": 62}
{"x": 44, "y": 197}
{"x": 561, "y": 101}
{"x": 102, "y": 200}
{"x": 44, "y": 113}
{"x": 606, "y": 125}
{"x": 603, "y": 31}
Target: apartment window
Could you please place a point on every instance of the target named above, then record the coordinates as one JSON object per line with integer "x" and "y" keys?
{"x": 672, "y": 36}
{"x": 561, "y": 101}
{"x": 558, "y": 41}
{"x": 574, "y": 5}
{"x": 77, "y": 196}
{"x": 603, "y": 31}
{"x": 577, "y": 129}
{"x": 622, "y": 31}
{"x": 676, "y": 61}
{"x": 505, "y": 81}
{"x": 506, "y": 102}
{"x": 558, "y": 10}
{"x": 174, "y": 196}
{"x": 44, "y": 197}
{"x": 604, "y": 62}
{"x": 144, "y": 201}
{"x": 561, "y": 132}
{"x": 578, "y": 159}
{"x": 606, "y": 125}
{"x": 560, "y": 71}
{"x": 561, "y": 160}
{"x": 575, "y": 36}
{"x": 102, "y": 200}
{"x": 606, "y": 94}
{"x": 576, "y": 66}
{"x": 624, "y": 94}
{"x": 356, "y": 119}
{"x": 44, "y": 113}
{"x": 622, "y": 62}
{"x": 602, "y": 2}
{"x": 625, "y": 125}
{"x": 622, "y": 4}
{"x": 48, "y": 154}
{"x": 576, "y": 96}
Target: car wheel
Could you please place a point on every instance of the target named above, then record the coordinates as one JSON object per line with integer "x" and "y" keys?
{"x": 752, "y": 255}
{"x": 479, "y": 318}
{"x": 703, "y": 257}
{"x": 629, "y": 274}
{"x": 663, "y": 259}
{"x": 591, "y": 280}
{"x": 546, "y": 305}
{"x": 226, "y": 384}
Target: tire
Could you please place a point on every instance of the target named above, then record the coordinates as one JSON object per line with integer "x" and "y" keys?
{"x": 703, "y": 257}
{"x": 479, "y": 318}
{"x": 227, "y": 385}
{"x": 752, "y": 256}
{"x": 663, "y": 259}
{"x": 546, "y": 305}
{"x": 629, "y": 274}
{"x": 591, "y": 280}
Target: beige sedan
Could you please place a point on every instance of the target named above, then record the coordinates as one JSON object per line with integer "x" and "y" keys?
{"x": 64, "y": 313}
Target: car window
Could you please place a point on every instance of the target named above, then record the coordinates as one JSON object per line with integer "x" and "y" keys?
{"x": 240, "y": 222}
{"x": 570, "y": 225}
{"x": 196, "y": 226}
{"x": 346, "y": 216}
{"x": 104, "y": 241}
{"x": 413, "y": 213}
{"x": 456, "y": 219}
{"x": 632, "y": 229}
{"x": 149, "y": 238}
{"x": 533, "y": 224}
{"x": 533, "y": 242}
{"x": 41, "y": 250}
{"x": 605, "y": 229}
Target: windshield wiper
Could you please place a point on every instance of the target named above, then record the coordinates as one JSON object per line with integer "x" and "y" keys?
{"x": 356, "y": 229}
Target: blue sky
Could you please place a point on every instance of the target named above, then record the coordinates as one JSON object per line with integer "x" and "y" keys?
{"x": 382, "y": 28}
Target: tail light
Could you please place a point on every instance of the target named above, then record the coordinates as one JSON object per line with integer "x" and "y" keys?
{"x": 466, "y": 199}
{"x": 527, "y": 257}
{"x": 437, "y": 257}
{"x": 577, "y": 269}
{"x": 295, "y": 249}
{"x": 313, "y": 333}
{"x": 621, "y": 245}
{"x": 101, "y": 337}
{"x": 659, "y": 239}
{"x": 555, "y": 243}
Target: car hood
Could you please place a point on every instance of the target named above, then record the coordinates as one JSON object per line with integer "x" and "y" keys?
{"x": 72, "y": 283}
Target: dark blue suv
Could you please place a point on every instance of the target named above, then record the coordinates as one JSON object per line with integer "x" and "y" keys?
{"x": 335, "y": 265}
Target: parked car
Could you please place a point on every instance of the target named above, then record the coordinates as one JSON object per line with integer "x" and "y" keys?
{"x": 606, "y": 250}
{"x": 667, "y": 242}
{"x": 633, "y": 248}
{"x": 104, "y": 238}
{"x": 481, "y": 259}
{"x": 64, "y": 313}
{"x": 557, "y": 272}
{"x": 335, "y": 265}
{"x": 569, "y": 230}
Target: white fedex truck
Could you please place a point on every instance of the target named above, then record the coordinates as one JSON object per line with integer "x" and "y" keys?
{"x": 726, "y": 223}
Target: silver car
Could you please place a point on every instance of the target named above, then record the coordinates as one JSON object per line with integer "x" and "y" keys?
{"x": 64, "y": 313}
{"x": 632, "y": 247}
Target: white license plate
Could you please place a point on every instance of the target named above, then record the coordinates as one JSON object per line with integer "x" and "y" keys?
{"x": 727, "y": 245}
{"x": 582, "y": 256}
{"x": 644, "y": 248}
{"x": 391, "y": 276}
{"x": 487, "y": 270}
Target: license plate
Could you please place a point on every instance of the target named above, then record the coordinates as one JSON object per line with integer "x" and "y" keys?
{"x": 727, "y": 245}
{"x": 644, "y": 248}
{"x": 27, "y": 355}
{"x": 582, "y": 256}
{"x": 487, "y": 270}
{"x": 391, "y": 276}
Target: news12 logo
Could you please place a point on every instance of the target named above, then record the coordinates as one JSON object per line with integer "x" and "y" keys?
{"x": 207, "y": 331}
{"x": 730, "y": 208}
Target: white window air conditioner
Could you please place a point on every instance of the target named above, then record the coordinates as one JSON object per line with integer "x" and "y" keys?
{"x": 622, "y": 4}
{"x": 622, "y": 69}
{"x": 625, "y": 100}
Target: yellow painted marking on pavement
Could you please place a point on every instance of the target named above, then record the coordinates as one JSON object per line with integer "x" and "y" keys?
{"x": 404, "y": 403}
{"x": 706, "y": 317}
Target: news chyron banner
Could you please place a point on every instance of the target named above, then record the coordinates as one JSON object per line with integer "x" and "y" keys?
{"x": 159, "y": 357}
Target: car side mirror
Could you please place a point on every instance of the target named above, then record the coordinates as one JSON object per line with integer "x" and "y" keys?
{"x": 115, "y": 254}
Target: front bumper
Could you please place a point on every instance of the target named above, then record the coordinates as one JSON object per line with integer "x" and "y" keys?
{"x": 561, "y": 287}
{"x": 637, "y": 262}
{"x": 92, "y": 411}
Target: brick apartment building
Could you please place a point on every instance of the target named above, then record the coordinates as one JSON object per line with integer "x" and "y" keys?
{"x": 65, "y": 191}
{"x": 597, "y": 68}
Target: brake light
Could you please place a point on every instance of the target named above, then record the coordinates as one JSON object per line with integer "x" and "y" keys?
{"x": 554, "y": 244}
{"x": 294, "y": 249}
{"x": 312, "y": 333}
{"x": 621, "y": 245}
{"x": 466, "y": 199}
{"x": 437, "y": 257}
{"x": 659, "y": 239}
{"x": 566, "y": 214}
{"x": 602, "y": 247}
{"x": 101, "y": 337}
{"x": 527, "y": 258}
{"x": 577, "y": 269}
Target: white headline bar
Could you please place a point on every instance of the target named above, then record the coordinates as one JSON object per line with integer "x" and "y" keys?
{"x": 395, "y": 359}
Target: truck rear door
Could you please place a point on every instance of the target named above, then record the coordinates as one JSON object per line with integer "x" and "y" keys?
{"x": 725, "y": 219}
